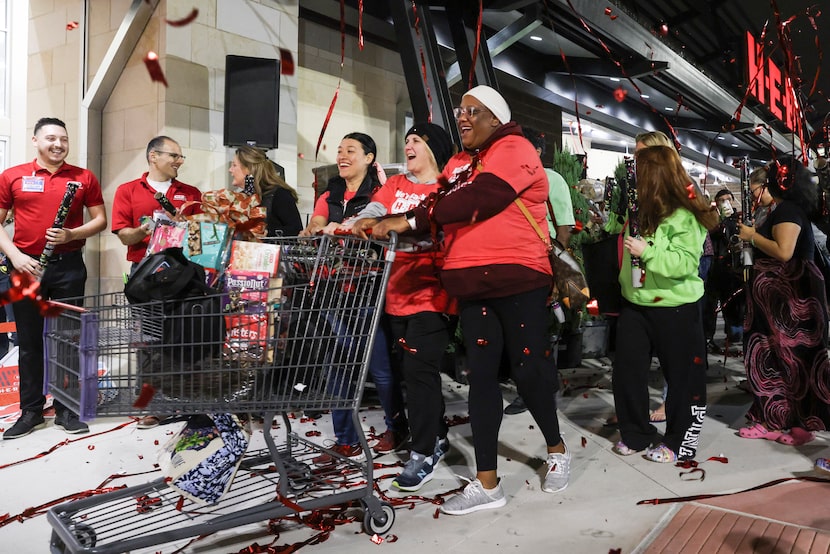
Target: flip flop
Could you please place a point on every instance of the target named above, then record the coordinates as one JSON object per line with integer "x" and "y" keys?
{"x": 796, "y": 437}
{"x": 758, "y": 431}
{"x": 657, "y": 416}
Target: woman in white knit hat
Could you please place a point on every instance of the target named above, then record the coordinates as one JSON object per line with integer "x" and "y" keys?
{"x": 498, "y": 269}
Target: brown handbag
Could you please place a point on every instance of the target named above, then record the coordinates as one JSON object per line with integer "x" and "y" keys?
{"x": 569, "y": 284}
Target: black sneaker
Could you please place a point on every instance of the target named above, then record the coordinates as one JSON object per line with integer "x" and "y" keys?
{"x": 70, "y": 423}
{"x": 516, "y": 407}
{"x": 28, "y": 422}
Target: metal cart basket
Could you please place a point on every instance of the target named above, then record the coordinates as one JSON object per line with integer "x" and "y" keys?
{"x": 306, "y": 349}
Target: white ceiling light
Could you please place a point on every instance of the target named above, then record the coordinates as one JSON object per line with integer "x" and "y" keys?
{"x": 535, "y": 37}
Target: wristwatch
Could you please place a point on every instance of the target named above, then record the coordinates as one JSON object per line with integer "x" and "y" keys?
{"x": 410, "y": 218}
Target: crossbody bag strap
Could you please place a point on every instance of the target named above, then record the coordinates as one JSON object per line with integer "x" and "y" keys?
{"x": 526, "y": 212}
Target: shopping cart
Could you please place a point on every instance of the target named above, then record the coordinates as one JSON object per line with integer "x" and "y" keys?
{"x": 318, "y": 327}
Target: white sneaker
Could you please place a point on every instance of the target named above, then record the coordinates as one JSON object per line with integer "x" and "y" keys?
{"x": 559, "y": 470}
{"x": 473, "y": 498}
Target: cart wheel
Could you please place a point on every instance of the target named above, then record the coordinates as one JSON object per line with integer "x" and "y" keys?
{"x": 84, "y": 534}
{"x": 379, "y": 523}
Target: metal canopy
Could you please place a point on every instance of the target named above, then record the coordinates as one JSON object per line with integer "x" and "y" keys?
{"x": 577, "y": 53}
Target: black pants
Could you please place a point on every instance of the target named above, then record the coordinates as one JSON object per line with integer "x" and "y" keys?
{"x": 425, "y": 338}
{"x": 675, "y": 336}
{"x": 64, "y": 278}
{"x": 517, "y": 324}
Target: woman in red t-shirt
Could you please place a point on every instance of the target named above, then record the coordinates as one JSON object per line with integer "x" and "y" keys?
{"x": 416, "y": 303}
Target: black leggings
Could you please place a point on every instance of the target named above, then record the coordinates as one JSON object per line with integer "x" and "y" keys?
{"x": 425, "y": 338}
{"x": 517, "y": 324}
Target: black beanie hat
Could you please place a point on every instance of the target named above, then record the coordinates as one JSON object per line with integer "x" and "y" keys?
{"x": 437, "y": 139}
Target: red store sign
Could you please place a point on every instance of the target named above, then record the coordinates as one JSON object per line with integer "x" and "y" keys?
{"x": 767, "y": 84}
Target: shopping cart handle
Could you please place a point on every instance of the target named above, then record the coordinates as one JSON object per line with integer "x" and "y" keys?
{"x": 342, "y": 232}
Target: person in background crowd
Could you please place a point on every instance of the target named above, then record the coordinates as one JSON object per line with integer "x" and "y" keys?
{"x": 416, "y": 304}
{"x": 785, "y": 333}
{"x": 135, "y": 203}
{"x": 660, "y": 313}
{"x": 726, "y": 275}
{"x": 501, "y": 279}
{"x": 559, "y": 196}
{"x": 35, "y": 190}
{"x": 346, "y": 195}
{"x": 277, "y": 196}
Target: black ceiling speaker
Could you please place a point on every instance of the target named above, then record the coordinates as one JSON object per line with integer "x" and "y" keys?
{"x": 252, "y": 101}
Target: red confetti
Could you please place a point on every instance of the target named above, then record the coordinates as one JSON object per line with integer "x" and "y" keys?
{"x": 406, "y": 347}
{"x": 156, "y": 442}
{"x": 620, "y": 94}
{"x": 313, "y": 433}
{"x": 607, "y": 11}
{"x": 185, "y": 20}
{"x": 140, "y": 457}
{"x": 577, "y": 226}
{"x": 286, "y": 62}
{"x": 91, "y": 447}
{"x": 482, "y": 342}
{"x": 584, "y": 442}
{"x": 691, "y": 190}
{"x": 151, "y": 60}
{"x": 180, "y": 504}
{"x": 377, "y": 539}
{"x": 147, "y": 393}
{"x": 526, "y": 351}
{"x": 72, "y": 25}
{"x": 663, "y": 30}
{"x": 698, "y": 360}
{"x": 301, "y": 156}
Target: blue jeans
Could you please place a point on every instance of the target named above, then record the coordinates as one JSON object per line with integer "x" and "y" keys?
{"x": 386, "y": 383}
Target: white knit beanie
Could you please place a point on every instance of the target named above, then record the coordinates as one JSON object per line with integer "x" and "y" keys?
{"x": 491, "y": 100}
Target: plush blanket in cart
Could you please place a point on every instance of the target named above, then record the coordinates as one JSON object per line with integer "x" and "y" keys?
{"x": 202, "y": 459}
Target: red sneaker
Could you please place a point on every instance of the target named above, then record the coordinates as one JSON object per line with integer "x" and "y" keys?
{"x": 353, "y": 452}
{"x": 390, "y": 441}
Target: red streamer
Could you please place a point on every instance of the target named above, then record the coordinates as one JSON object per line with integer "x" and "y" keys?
{"x": 471, "y": 79}
{"x": 146, "y": 395}
{"x": 151, "y": 60}
{"x": 287, "y": 65}
{"x": 187, "y": 20}
{"x": 339, "y": 80}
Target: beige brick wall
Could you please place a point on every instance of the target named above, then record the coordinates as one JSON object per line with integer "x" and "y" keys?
{"x": 373, "y": 96}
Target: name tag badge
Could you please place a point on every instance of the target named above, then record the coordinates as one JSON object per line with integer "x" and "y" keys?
{"x": 33, "y": 184}
{"x": 180, "y": 197}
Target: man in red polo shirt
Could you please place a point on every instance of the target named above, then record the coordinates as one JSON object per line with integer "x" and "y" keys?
{"x": 35, "y": 191}
{"x": 136, "y": 199}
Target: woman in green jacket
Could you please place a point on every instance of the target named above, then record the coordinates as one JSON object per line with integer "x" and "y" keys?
{"x": 660, "y": 315}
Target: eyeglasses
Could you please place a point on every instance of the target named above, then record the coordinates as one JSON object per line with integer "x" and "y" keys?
{"x": 470, "y": 111}
{"x": 176, "y": 157}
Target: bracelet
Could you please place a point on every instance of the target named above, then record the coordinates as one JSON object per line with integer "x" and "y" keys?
{"x": 752, "y": 240}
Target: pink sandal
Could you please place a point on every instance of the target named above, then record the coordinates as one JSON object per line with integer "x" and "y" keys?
{"x": 796, "y": 437}
{"x": 758, "y": 431}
